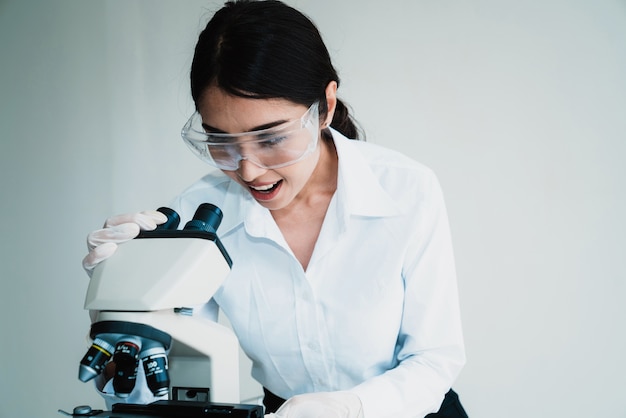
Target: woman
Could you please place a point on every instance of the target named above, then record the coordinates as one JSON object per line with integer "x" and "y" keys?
{"x": 343, "y": 289}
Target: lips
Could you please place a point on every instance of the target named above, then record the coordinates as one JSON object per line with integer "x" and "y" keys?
{"x": 266, "y": 191}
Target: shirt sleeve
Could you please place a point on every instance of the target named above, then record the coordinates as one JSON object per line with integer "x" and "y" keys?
{"x": 430, "y": 348}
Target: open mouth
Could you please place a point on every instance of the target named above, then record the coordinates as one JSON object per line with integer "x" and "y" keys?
{"x": 268, "y": 188}
{"x": 265, "y": 192}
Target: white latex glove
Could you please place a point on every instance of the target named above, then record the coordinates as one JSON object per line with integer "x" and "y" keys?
{"x": 339, "y": 404}
{"x": 102, "y": 243}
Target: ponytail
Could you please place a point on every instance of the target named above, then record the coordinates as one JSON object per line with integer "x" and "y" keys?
{"x": 344, "y": 123}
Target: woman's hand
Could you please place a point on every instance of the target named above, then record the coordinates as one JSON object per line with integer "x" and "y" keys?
{"x": 339, "y": 404}
{"x": 102, "y": 243}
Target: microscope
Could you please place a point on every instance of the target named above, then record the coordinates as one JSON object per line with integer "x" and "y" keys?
{"x": 142, "y": 302}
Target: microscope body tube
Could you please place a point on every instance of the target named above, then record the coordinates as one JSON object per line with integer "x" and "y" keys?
{"x": 175, "y": 273}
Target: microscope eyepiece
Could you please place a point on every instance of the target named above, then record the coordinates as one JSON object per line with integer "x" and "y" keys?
{"x": 207, "y": 218}
{"x": 173, "y": 219}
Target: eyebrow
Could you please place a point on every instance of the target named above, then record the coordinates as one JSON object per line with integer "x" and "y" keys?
{"x": 211, "y": 129}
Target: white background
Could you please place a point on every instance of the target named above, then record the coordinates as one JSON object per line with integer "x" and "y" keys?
{"x": 519, "y": 107}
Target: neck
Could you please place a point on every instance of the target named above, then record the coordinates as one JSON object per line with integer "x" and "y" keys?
{"x": 323, "y": 181}
{"x": 316, "y": 195}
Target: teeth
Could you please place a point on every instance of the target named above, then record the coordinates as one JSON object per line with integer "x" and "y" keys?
{"x": 263, "y": 188}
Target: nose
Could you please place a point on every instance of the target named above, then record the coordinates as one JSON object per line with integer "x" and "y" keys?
{"x": 248, "y": 171}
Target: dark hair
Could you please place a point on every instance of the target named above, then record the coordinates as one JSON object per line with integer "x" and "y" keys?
{"x": 266, "y": 49}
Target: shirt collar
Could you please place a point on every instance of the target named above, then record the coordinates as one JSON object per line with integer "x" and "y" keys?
{"x": 240, "y": 208}
{"x": 359, "y": 193}
{"x": 358, "y": 187}
{"x": 237, "y": 203}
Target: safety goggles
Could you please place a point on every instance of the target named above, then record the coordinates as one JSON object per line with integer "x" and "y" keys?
{"x": 275, "y": 147}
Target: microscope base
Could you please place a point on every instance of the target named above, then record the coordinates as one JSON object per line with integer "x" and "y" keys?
{"x": 188, "y": 409}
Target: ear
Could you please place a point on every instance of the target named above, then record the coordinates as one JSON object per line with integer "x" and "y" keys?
{"x": 331, "y": 103}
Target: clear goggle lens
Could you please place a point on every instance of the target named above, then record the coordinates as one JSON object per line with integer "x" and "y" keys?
{"x": 268, "y": 148}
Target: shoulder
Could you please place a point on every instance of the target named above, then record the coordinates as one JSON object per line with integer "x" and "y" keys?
{"x": 402, "y": 177}
{"x": 380, "y": 156}
{"x": 215, "y": 182}
{"x": 211, "y": 188}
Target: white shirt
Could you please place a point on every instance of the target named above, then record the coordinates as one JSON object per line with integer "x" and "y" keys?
{"x": 376, "y": 312}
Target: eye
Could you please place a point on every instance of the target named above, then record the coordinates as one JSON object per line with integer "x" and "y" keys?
{"x": 216, "y": 139}
{"x": 272, "y": 141}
